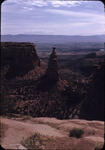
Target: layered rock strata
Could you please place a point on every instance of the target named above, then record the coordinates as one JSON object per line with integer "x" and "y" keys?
{"x": 19, "y": 57}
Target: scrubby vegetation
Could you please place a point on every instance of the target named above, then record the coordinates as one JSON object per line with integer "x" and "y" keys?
{"x": 36, "y": 142}
{"x": 99, "y": 146}
{"x": 33, "y": 142}
{"x": 75, "y": 132}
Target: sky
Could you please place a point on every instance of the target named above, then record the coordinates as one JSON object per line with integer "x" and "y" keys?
{"x": 52, "y": 17}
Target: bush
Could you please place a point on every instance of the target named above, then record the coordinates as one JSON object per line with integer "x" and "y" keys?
{"x": 99, "y": 147}
{"x": 26, "y": 118}
{"x": 33, "y": 142}
{"x": 75, "y": 132}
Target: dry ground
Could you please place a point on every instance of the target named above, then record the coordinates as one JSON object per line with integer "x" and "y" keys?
{"x": 56, "y": 131}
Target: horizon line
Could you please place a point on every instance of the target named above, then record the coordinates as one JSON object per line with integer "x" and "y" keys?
{"x": 53, "y": 35}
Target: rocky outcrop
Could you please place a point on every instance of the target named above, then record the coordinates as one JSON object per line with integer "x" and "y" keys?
{"x": 53, "y": 133}
{"x": 52, "y": 70}
{"x": 48, "y": 95}
{"x": 19, "y": 57}
{"x": 92, "y": 107}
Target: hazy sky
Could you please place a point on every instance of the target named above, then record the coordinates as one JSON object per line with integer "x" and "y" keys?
{"x": 56, "y": 17}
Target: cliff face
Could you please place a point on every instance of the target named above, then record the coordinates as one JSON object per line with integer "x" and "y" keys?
{"x": 93, "y": 106}
{"x": 19, "y": 57}
{"x": 48, "y": 95}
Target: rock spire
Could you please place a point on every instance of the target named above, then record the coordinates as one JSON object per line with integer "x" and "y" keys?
{"x": 52, "y": 70}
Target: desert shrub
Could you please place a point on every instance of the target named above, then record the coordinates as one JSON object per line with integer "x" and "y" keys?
{"x": 99, "y": 146}
{"x": 33, "y": 142}
{"x": 26, "y": 118}
{"x": 75, "y": 132}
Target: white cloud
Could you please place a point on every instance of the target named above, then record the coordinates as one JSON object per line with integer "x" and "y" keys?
{"x": 92, "y": 17}
{"x": 59, "y": 3}
{"x": 27, "y": 8}
{"x": 71, "y": 13}
{"x": 53, "y": 28}
{"x": 42, "y": 3}
{"x": 66, "y": 22}
{"x": 38, "y": 3}
{"x": 12, "y": 1}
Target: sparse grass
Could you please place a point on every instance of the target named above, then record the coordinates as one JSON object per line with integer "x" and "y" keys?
{"x": 99, "y": 146}
{"x": 35, "y": 142}
{"x": 75, "y": 132}
{"x": 26, "y": 118}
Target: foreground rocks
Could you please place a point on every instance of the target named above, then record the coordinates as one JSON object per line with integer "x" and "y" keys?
{"x": 56, "y": 133}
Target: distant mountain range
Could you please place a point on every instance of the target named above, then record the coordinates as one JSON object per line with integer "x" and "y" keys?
{"x": 62, "y": 42}
{"x": 54, "y": 39}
